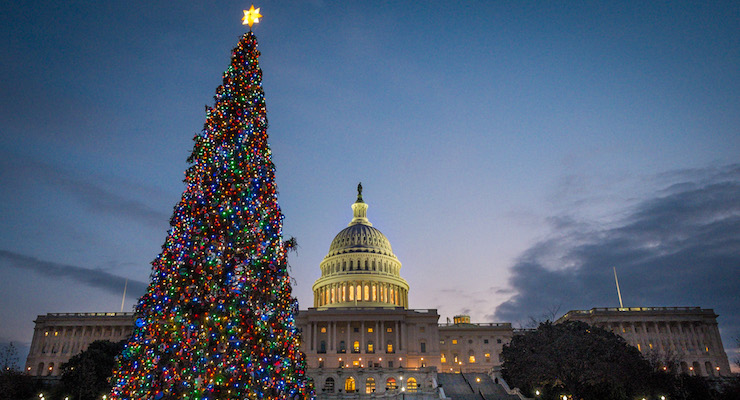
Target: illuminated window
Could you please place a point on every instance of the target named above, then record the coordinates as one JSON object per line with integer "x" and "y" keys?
{"x": 375, "y": 293}
{"x": 651, "y": 345}
{"x": 367, "y": 293}
{"x": 323, "y": 329}
{"x": 389, "y": 330}
{"x": 351, "y": 293}
{"x": 369, "y": 330}
{"x": 471, "y": 359}
{"x": 390, "y": 384}
{"x": 443, "y": 359}
{"x": 411, "y": 385}
{"x": 454, "y": 341}
{"x": 389, "y": 347}
{"x": 355, "y": 363}
{"x": 442, "y": 341}
{"x": 349, "y": 385}
{"x": 454, "y": 359}
{"x": 370, "y": 385}
{"x": 356, "y": 347}
{"x": 56, "y": 333}
{"x": 638, "y": 347}
{"x": 370, "y": 347}
{"x": 488, "y": 357}
{"x": 46, "y": 333}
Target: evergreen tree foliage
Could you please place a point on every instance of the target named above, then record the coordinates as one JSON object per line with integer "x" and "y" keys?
{"x": 217, "y": 320}
{"x": 85, "y": 376}
{"x": 575, "y": 359}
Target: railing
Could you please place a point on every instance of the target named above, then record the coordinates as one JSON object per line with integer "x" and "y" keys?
{"x": 486, "y": 324}
{"x": 625, "y": 309}
{"x": 91, "y": 314}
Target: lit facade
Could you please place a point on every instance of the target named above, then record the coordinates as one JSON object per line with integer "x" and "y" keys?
{"x": 58, "y": 337}
{"x": 687, "y": 336}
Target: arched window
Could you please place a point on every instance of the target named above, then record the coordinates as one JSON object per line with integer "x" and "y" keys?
{"x": 370, "y": 385}
{"x": 329, "y": 385}
{"x": 40, "y": 370}
{"x": 351, "y": 293}
{"x": 366, "y": 265}
{"x": 351, "y": 265}
{"x": 390, "y": 384}
{"x": 356, "y": 346}
{"x": 708, "y": 366}
{"x": 471, "y": 357}
{"x": 349, "y": 385}
{"x": 358, "y": 292}
{"x": 375, "y": 293}
{"x": 411, "y": 385}
{"x": 367, "y": 292}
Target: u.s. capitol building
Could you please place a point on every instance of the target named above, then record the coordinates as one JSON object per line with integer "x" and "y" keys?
{"x": 360, "y": 338}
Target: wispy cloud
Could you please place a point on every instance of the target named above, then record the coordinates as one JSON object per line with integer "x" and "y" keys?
{"x": 681, "y": 247}
{"x": 93, "y": 192}
{"x": 91, "y": 277}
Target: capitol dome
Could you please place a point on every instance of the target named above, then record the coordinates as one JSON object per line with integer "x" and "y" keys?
{"x": 360, "y": 269}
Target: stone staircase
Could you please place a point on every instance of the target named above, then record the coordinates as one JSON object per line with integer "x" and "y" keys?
{"x": 473, "y": 386}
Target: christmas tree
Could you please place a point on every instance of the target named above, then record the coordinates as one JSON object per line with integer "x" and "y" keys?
{"x": 217, "y": 320}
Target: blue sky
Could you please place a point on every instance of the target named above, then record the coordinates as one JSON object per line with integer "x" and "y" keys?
{"x": 512, "y": 152}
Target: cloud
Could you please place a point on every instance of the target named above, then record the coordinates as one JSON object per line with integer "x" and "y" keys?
{"x": 94, "y": 192}
{"x": 91, "y": 277}
{"x": 680, "y": 247}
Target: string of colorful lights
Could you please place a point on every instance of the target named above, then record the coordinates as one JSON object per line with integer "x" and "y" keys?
{"x": 217, "y": 320}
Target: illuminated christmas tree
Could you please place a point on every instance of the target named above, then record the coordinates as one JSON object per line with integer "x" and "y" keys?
{"x": 217, "y": 320}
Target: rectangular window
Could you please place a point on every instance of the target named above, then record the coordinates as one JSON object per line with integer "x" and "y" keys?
{"x": 355, "y": 363}
{"x": 421, "y": 329}
{"x": 369, "y": 330}
{"x": 498, "y": 341}
{"x": 389, "y": 330}
{"x": 441, "y": 341}
{"x": 454, "y": 341}
{"x": 390, "y": 364}
{"x": 356, "y": 330}
{"x": 423, "y": 347}
{"x": 443, "y": 359}
{"x": 323, "y": 329}
{"x": 485, "y": 341}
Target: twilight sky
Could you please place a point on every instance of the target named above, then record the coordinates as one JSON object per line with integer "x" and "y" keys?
{"x": 512, "y": 152}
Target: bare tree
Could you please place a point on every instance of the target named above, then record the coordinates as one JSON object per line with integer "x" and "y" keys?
{"x": 8, "y": 357}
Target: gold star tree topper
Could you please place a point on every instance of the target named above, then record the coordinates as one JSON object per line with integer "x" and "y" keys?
{"x": 251, "y": 16}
